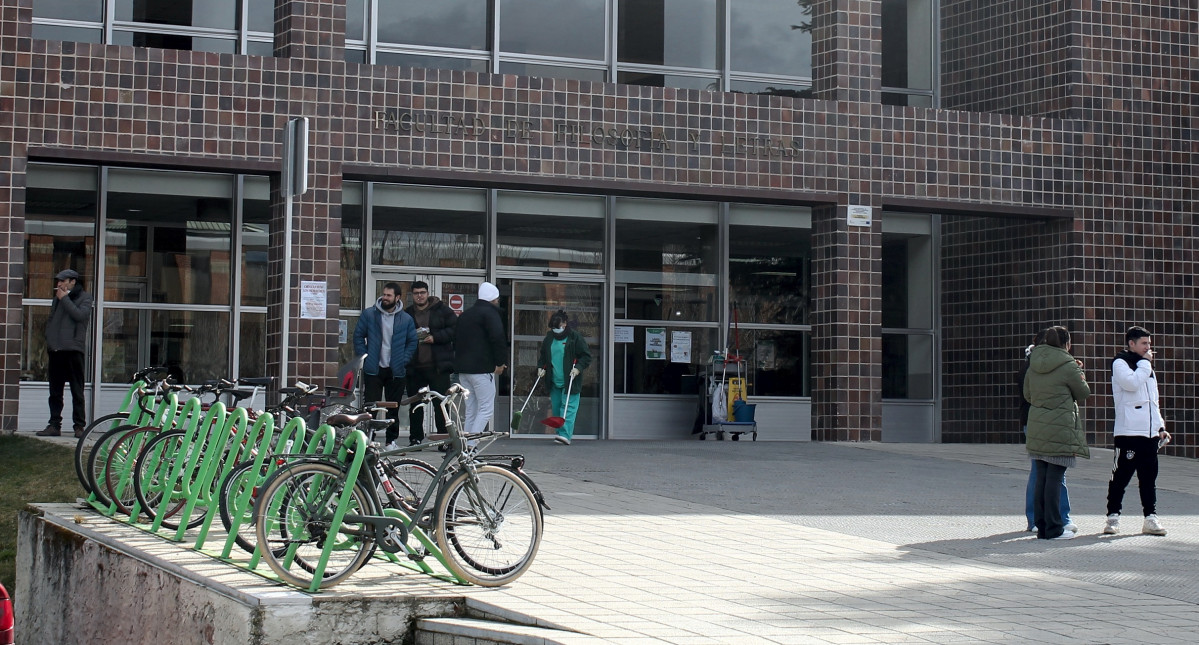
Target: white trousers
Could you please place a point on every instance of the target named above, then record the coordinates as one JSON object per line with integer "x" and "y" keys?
{"x": 480, "y": 405}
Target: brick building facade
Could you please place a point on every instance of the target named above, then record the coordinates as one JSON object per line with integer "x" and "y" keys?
{"x": 1060, "y": 164}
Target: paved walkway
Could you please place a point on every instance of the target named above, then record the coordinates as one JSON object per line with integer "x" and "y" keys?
{"x": 722, "y": 542}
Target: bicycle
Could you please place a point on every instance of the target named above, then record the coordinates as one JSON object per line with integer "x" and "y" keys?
{"x": 486, "y": 522}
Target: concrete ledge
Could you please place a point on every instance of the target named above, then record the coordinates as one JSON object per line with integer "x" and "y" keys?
{"x": 84, "y": 578}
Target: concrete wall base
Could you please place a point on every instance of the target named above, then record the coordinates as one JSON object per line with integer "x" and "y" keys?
{"x": 84, "y": 578}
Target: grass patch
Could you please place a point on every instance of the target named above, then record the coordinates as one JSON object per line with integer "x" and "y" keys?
{"x": 31, "y": 470}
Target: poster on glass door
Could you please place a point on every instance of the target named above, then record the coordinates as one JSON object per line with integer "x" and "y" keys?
{"x": 655, "y": 344}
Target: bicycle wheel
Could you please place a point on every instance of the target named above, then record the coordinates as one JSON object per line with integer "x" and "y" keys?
{"x": 121, "y": 466}
{"x": 410, "y": 478}
{"x": 151, "y": 481}
{"x": 293, "y": 515}
{"x": 488, "y": 526}
{"x": 241, "y": 478}
{"x": 92, "y": 434}
{"x": 97, "y": 460}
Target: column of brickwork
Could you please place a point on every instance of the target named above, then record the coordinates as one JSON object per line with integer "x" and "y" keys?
{"x": 16, "y": 25}
{"x": 847, "y": 50}
{"x": 847, "y": 330}
{"x": 309, "y": 41}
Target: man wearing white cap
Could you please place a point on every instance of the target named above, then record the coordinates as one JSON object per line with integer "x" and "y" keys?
{"x": 481, "y": 354}
{"x": 66, "y": 342}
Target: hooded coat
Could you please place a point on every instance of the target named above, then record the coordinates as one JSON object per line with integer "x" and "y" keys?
{"x": 1054, "y": 386}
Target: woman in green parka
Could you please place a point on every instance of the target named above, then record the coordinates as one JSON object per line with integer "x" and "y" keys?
{"x": 564, "y": 355}
{"x": 1054, "y": 386}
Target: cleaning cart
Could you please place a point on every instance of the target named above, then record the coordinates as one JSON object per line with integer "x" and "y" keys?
{"x": 727, "y": 411}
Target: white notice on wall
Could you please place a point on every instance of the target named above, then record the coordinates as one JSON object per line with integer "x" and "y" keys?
{"x": 313, "y": 295}
{"x": 622, "y": 334}
{"x": 680, "y": 347}
{"x": 343, "y": 331}
{"x": 860, "y": 215}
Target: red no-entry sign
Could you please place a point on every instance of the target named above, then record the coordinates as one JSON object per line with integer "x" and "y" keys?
{"x": 456, "y": 302}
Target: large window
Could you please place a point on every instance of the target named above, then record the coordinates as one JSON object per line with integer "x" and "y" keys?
{"x": 908, "y": 44}
{"x": 417, "y": 226}
{"x": 667, "y": 263}
{"x": 544, "y": 232}
{"x": 223, "y": 26}
{"x": 171, "y": 266}
{"x": 60, "y": 233}
{"x": 770, "y": 294}
{"x": 909, "y": 296}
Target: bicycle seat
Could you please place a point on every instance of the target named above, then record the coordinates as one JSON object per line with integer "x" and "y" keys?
{"x": 239, "y": 394}
{"x": 257, "y": 381}
{"x": 348, "y": 419}
{"x": 415, "y": 398}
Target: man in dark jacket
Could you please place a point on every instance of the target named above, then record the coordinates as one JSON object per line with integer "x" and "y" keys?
{"x": 480, "y": 356}
{"x": 433, "y": 361}
{"x": 66, "y": 342}
{"x": 387, "y": 336}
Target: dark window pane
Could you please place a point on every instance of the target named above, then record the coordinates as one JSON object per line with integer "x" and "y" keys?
{"x": 355, "y": 19}
{"x": 462, "y": 24}
{"x": 60, "y": 226}
{"x": 220, "y": 14}
{"x": 553, "y": 71}
{"x": 432, "y": 62}
{"x": 907, "y": 44}
{"x": 550, "y": 232}
{"x": 255, "y": 234}
{"x": 168, "y": 237}
{"x": 666, "y": 260}
{"x": 907, "y": 366}
{"x": 566, "y": 28}
{"x": 895, "y": 283}
{"x": 252, "y": 358}
{"x": 67, "y": 34}
{"x": 262, "y": 15}
{"x": 771, "y": 37}
{"x": 779, "y": 362}
{"x": 351, "y": 246}
{"x": 174, "y": 41}
{"x": 193, "y": 344}
{"x": 89, "y": 10}
{"x": 33, "y": 343}
{"x": 650, "y": 79}
{"x": 772, "y": 89}
{"x": 636, "y": 374}
{"x": 770, "y": 275}
{"x": 256, "y": 48}
{"x": 429, "y": 227}
{"x": 679, "y": 33}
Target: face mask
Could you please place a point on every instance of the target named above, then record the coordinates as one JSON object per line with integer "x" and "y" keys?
{"x": 559, "y": 330}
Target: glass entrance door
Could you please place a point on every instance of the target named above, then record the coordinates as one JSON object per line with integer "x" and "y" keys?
{"x": 530, "y": 306}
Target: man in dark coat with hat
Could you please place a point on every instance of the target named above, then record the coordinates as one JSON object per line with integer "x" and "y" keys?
{"x": 66, "y": 343}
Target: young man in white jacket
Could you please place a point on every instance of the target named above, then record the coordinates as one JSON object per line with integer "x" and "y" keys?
{"x": 1140, "y": 430}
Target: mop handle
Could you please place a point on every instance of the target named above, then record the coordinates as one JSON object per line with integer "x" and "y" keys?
{"x": 531, "y": 391}
{"x": 571, "y": 382}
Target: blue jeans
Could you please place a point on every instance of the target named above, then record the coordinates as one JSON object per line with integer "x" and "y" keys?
{"x": 1047, "y": 510}
{"x": 1031, "y": 489}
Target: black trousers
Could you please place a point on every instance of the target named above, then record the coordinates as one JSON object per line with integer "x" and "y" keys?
{"x": 66, "y": 367}
{"x": 384, "y": 387}
{"x": 419, "y": 377}
{"x": 1139, "y": 455}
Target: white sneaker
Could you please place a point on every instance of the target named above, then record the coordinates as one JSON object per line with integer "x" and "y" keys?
{"x": 1112, "y": 526}
{"x": 391, "y": 446}
{"x": 1066, "y": 535}
{"x": 562, "y": 440}
{"x": 1152, "y": 526}
{"x": 1071, "y": 527}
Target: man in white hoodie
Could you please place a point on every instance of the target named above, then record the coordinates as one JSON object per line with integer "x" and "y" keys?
{"x": 1140, "y": 430}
